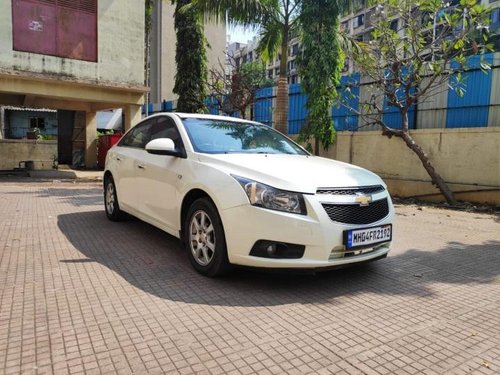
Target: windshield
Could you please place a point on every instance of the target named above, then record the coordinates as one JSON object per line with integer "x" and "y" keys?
{"x": 223, "y": 137}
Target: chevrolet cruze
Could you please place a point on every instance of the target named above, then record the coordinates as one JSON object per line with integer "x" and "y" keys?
{"x": 240, "y": 193}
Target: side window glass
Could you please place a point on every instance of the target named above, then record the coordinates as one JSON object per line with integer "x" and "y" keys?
{"x": 165, "y": 128}
{"x": 138, "y": 136}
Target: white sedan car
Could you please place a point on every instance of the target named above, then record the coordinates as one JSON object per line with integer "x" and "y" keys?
{"x": 240, "y": 193}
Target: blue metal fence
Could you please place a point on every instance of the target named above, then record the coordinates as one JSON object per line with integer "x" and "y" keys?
{"x": 472, "y": 109}
{"x": 212, "y": 105}
{"x": 297, "y": 111}
{"x": 168, "y": 105}
{"x": 263, "y": 106}
{"x": 392, "y": 117}
{"x": 343, "y": 117}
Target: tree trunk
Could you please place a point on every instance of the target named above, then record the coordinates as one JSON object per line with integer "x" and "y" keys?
{"x": 316, "y": 146}
{"x": 281, "y": 114}
{"x": 437, "y": 180}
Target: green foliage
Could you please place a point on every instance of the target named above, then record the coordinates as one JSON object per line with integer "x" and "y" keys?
{"x": 247, "y": 12}
{"x": 271, "y": 37}
{"x": 148, "y": 15}
{"x": 191, "y": 59}
{"x": 148, "y": 24}
{"x": 320, "y": 65}
{"x": 105, "y": 132}
{"x": 253, "y": 74}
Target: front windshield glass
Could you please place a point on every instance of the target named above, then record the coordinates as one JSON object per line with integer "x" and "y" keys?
{"x": 224, "y": 137}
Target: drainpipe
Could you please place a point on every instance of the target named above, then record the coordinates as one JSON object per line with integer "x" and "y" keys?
{"x": 2, "y": 123}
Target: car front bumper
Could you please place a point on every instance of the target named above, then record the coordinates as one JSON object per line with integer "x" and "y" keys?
{"x": 323, "y": 238}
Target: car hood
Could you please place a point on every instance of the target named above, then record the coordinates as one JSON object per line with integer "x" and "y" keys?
{"x": 298, "y": 173}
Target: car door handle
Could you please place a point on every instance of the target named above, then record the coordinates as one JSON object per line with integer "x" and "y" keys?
{"x": 140, "y": 166}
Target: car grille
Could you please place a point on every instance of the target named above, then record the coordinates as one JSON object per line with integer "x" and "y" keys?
{"x": 355, "y": 214}
{"x": 351, "y": 191}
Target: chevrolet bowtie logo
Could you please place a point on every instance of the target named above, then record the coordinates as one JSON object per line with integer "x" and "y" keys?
{"x": 362, "y": 199}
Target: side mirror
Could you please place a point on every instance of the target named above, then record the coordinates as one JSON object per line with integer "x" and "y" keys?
{"x": 163, "y": 146}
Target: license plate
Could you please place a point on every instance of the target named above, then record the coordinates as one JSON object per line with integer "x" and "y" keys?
{"x": 354, "y": 238}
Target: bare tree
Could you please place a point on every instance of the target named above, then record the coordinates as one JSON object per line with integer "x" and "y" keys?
{"x": 419, "y": 48}
{"x": 233, "y": 86}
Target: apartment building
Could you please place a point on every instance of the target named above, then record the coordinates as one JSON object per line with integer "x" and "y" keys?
{"x": 241, "y": 53}
{"x": 357, "y": 24}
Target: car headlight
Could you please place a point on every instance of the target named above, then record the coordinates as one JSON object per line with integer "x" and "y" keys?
{"x": 265, "y": 196}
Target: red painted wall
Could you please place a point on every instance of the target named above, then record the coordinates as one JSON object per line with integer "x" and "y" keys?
{"x": 64, "y": 28}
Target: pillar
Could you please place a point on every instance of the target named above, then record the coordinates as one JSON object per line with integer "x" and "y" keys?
{"x": 132, "y": 115}
{"x": 91, "y": 139}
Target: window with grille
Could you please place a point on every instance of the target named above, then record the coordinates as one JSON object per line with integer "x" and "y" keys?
{"x": 359, "y": 21}
{"x": 37, "y": 122}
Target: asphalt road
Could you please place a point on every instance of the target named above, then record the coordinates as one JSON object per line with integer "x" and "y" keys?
{"x": 79, "y": 294}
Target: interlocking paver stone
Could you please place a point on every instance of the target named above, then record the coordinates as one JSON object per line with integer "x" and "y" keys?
{"x": 80, "y": 294}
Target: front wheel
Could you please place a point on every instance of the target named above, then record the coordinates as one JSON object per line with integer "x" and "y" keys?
{"x": 204, "y": 239}
{"x": 111, "y": 204}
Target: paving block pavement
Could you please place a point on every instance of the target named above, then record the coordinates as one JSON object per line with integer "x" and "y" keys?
{"x": 80, "y": 294}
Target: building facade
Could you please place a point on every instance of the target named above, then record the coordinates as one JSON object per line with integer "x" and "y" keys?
{"x": 356, "y": 24}
{"x": 241, "y": 53}
{"x": 77, "y": 57}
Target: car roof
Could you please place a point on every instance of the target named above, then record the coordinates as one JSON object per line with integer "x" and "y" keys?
{"x": 182, "y": 115}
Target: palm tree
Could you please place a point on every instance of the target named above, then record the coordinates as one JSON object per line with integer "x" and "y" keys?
{"x": 278, "y": 21}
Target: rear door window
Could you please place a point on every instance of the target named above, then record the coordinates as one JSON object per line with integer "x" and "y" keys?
{"x": 138, "y": 137}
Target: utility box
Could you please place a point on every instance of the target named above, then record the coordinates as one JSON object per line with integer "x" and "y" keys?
{"x": 104, "y": 143}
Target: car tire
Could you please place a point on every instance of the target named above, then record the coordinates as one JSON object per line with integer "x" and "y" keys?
{"x": 111, "y": 205}
{"x": 204, "y": 239}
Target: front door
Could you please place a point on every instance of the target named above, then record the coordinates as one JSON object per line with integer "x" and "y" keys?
{"x": 160, "y": 178}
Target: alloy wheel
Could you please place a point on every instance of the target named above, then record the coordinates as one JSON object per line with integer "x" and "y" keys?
{"x": 110, "y": 198}
{"x": 202, "y": 238}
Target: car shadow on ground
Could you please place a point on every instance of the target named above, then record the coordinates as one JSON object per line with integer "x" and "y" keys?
{"x": 155, "y": 262}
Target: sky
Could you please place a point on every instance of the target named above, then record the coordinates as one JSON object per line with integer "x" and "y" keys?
{"x": 239, "y": 34}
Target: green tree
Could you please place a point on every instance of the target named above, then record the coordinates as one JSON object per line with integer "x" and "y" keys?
{"x": 320, "y": 64}
{"x": 419, "y": 48}
{"x": 190, "y": 58}
{"x": 278, "y": 22}
{"x": 148, "y": 24}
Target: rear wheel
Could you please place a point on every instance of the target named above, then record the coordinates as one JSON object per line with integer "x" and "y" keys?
{"x": 204, "y": 239}
{"x": 111, "y": 205}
